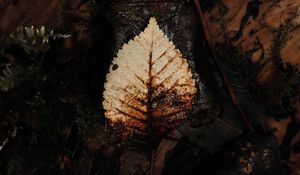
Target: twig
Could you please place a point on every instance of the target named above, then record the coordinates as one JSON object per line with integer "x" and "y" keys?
{"x": 152, "y": 162}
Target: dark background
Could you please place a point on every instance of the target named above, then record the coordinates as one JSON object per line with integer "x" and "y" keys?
{"x": 52, "y": 121}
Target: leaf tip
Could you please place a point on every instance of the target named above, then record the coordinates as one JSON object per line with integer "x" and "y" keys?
{"x": 153, "y": 21}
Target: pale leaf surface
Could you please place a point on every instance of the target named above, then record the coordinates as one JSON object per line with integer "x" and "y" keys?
{"x": 149, "y": 89}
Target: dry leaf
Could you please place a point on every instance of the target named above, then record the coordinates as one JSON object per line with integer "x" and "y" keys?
{"x": 280, "y": 127}
{"x": 149, "y": 88}
{"x": 295, "y": 163}
{"x": 134, "y": 163}
{"x": 163, "y": 148}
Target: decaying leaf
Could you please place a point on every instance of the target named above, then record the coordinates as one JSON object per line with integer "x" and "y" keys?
{"x": 163, "y": 149}
{"x": 149, "y": 88}
{"x": 280, "y": 128}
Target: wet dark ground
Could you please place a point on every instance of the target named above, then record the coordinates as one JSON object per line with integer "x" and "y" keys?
{"x": 52, "y": 121}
